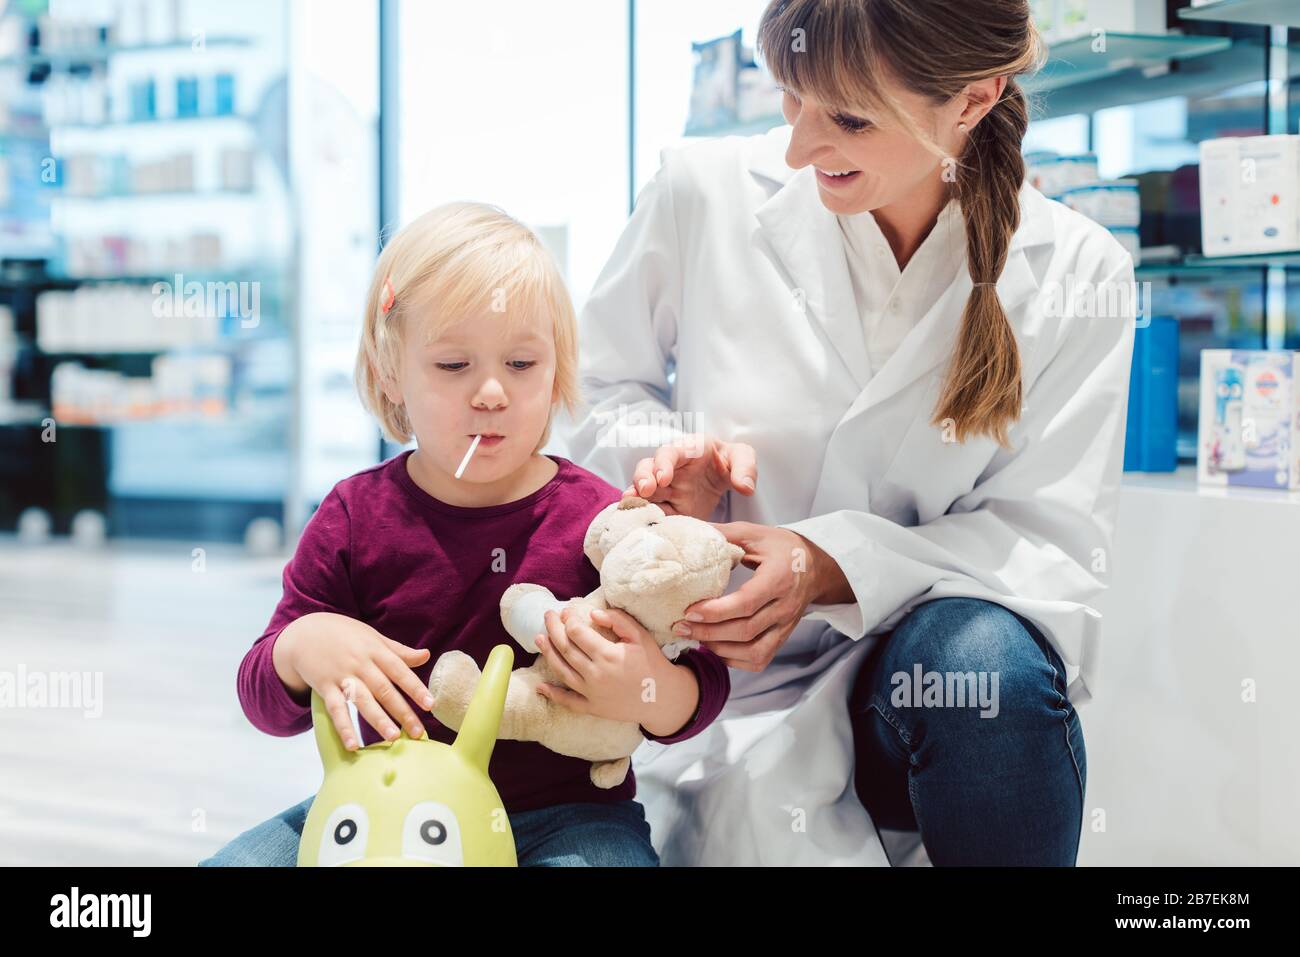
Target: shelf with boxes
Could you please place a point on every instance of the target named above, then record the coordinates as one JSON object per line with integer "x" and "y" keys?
{"x": 156, "y": 329}
{"x": 730, "y": 94}
{"x": 123, "y": 351}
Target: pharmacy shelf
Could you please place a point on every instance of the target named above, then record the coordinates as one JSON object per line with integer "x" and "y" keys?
{"x": 1194, "y": 263}
{"x": 1230, "y": 63}
{"x": 1071, "y": 62}
{"x": 1262, "y": 261}
{"x": 1183, "y": 482}
{"x": 1256, "y": 12}
{"x": 158, "y": 122}
{"x": 64, "y": 59}
{"x": 22, "y": 414}
{"x": 234, "y": 273}
{"x": 740, "y": 128}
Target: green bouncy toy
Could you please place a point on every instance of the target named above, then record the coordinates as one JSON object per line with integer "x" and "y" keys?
{"x": 413, "y": 802}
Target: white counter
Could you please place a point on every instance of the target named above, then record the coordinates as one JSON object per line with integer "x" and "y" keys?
{"x": 1204, "y": 596}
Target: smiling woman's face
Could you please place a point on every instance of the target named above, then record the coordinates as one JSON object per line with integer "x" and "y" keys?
{"x": 885, "y": 164}
{"x": 477, "y": 378}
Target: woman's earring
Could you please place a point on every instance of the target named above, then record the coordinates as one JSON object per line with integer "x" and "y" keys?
{"x": 962, "y": 127}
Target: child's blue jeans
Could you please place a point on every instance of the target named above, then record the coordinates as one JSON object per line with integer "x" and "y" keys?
{"x": 585, "y": 834}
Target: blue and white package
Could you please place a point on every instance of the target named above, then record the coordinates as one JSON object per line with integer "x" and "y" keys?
{"x": 1228, "y": 451}
{"x": 1250, "y": 419}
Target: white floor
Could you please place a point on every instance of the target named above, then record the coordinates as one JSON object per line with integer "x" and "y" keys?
{"x": 172, "y": 769}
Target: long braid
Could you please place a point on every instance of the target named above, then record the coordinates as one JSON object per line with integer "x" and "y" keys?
{"x": 982, "y": 392}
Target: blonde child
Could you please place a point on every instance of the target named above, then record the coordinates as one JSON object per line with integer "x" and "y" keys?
{"x": 469, "y": 339}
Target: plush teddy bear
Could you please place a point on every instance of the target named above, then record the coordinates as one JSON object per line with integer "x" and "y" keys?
{"x": 652, "y": 566}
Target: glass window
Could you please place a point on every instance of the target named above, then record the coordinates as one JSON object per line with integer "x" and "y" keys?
{"x": 665, "y": 34}
{"x": 523, "y": 105}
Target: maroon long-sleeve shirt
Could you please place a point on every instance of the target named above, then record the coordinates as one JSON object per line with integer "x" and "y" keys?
{"x": 430, "y": 575}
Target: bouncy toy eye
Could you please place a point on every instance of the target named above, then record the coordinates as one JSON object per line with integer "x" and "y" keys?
{"x": 433, "y": 832}
{"x": 344, "y": 837}
{"x": 346, "y": 831}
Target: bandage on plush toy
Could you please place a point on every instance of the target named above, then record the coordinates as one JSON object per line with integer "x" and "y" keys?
{"x": 652, "y": 566}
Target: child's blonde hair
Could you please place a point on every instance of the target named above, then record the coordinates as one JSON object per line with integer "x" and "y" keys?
{"x": 454, "y": 262}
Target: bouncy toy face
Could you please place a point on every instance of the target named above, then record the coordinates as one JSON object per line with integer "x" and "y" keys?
{"x": 412, "y": 803}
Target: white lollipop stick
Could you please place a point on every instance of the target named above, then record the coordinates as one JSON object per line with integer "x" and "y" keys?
{"x": 465, "y": 461}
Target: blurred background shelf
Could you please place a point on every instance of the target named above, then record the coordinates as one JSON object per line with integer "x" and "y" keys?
{"x": 1182, "y": 482}
{"x": 1253, "y": 12}
{"x": 740, "y": 128}
{"x": 73, "y": 58}
{"x": 160, "y": 123}
{"x": 1214, "y": 62}
{"x": 164, "y": 186}
{"x": 1087, "y": 59}
{"x": 1196, "y": 263}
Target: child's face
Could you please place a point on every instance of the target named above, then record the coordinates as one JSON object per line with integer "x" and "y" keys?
{"x": 477, "y": 378}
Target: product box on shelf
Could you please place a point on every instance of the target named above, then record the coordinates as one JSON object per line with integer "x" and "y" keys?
{"x": 1249, "y": 419}
{"x": 1053, "y": 174}
{"x": 1250, "y": 195}
{"x": 1077, "y": 18}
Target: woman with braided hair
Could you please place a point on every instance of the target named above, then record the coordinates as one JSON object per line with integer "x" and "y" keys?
{"x": 897, "y": 375}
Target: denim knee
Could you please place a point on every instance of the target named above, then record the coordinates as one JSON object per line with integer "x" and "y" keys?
{"x": 273, "y": 843}
{"x": 964, "y": 636}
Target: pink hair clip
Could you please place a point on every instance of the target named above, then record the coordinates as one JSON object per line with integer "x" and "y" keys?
{"x": 390, "y": 298}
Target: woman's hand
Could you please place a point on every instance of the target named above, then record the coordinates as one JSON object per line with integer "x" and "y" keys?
{"x": 748, "y": 626}
{"x": 624, "y": 680}
{"x": 689, "y": 476}
{"x": 346, "y": 660}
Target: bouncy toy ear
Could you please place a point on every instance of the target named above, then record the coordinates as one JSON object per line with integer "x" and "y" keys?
{"x": 478, "y": 732}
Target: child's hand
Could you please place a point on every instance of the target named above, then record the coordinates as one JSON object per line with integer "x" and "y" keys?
{"x": 347, "y": 660}
{"x": 624, "y": 680}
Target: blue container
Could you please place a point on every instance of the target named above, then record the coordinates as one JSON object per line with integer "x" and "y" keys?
{"x": 1151, "y": 440}
{"x": 142, "y": 100}
{"x": 225, "y": 95}
{"x": 187, "y": 97}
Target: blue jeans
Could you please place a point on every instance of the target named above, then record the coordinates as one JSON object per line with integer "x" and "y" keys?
{"x": 1006, "y": 789}
{"x": 585, "y": 834}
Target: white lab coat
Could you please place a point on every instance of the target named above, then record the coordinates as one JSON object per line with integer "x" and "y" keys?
{"x": 731, "y": 271}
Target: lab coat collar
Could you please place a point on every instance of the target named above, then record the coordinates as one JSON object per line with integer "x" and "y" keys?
{"x": 805, "y": 238}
